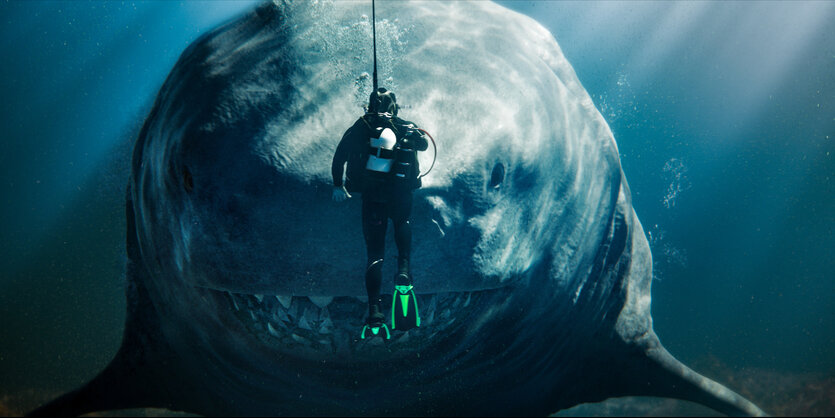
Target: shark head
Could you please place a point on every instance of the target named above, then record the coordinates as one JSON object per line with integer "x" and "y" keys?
{"x": 232, "y": 180}
{"x": 530, "y": 265}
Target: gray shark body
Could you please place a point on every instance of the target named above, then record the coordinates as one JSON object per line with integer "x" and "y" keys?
{"x": 245, "y": 291}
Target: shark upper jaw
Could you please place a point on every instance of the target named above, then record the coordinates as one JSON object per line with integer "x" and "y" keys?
{"x": 328, "y": 327}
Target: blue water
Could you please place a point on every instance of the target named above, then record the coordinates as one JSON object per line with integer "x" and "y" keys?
{"x": 724, "y": 114}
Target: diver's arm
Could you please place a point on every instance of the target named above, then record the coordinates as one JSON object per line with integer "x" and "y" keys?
{"x": 343, "y": 151}
{"x": 340, "y": 157}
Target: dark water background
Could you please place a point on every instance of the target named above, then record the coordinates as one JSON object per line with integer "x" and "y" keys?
{"x": 724, "y": 114}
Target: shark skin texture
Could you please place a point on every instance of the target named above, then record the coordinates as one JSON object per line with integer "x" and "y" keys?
{"x": 245, "y": 284}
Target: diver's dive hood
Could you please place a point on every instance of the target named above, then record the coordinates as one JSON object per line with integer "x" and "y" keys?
{"x": 382, "y": 101}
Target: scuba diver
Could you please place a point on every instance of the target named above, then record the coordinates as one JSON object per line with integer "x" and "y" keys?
{"x": 380, "y": 150}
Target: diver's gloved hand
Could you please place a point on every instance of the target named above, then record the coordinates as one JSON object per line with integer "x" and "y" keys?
{"x": 340, "y": 194}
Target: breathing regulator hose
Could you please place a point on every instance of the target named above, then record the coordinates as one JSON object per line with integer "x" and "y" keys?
{"x": 435, "y": 150}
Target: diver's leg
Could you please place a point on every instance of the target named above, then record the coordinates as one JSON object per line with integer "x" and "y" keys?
{"x": 374, "y": 225}
{"x": 401, "y": 213}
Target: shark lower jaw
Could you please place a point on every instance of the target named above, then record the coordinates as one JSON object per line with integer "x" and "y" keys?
{"x": 329, "y": 327}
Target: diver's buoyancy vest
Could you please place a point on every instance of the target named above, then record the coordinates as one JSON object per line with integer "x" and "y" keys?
{"x": 381, "y": 151}
{"x": 387, "y": 165}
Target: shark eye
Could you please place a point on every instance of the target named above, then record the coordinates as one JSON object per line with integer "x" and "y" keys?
{"x": 188, "y": 182}
{"x": 497, "y": 177}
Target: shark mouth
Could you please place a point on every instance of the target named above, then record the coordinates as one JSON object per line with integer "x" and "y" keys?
{"x": 319, "y": 327}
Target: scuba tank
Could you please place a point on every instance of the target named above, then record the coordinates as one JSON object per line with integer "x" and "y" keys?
{"x": 391, "y": 159}
{"x": 381, "y": 151}
{"x": 380, "y": 159}
{"x": 403, "y": 162}
{"x": 405, "y": 170}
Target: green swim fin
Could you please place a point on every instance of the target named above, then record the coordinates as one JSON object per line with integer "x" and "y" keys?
{"x": 375, "y": 323}
{"x": 404, "y": 309}
{"x": 369, "y": 331}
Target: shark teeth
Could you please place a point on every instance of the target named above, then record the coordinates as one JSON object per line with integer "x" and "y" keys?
{"x": 234, "y": 300}
{"x": 326, "y": 327}
{"x": 305, "y": 321}
{"x": 429, "y": 311}
{"x": 321, "y": 301}
{"x": 284, "y": 301}
{"x": 322, "y": 322}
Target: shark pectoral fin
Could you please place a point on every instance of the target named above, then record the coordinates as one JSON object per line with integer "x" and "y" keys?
{"x": 671, "y": 378}
{"x": 136, "y": 375}
{"x": 119, "y": 386}
{"x": 650, "y": 370}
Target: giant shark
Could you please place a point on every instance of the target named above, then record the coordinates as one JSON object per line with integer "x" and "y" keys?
{"x": 245, "y": 289}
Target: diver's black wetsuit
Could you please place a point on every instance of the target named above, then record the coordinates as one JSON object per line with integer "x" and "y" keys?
{"x": 384, "y": 197}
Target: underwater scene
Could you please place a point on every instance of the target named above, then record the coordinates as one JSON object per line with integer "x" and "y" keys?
{"x": 626, "y": 208}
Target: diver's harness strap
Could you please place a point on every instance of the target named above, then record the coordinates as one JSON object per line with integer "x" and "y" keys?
{"x": 387, "y": 154}
{"x": 385, "y": 118}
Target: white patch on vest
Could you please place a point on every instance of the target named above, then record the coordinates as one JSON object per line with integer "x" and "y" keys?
{"x": 386, "y": 141}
